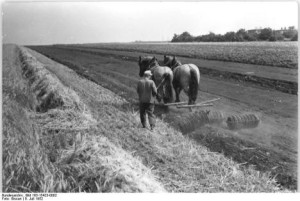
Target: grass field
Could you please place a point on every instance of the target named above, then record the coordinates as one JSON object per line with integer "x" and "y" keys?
{"x": 282, "y": 54}
{"x": 112, "y": 155}
{"x": 271, "y": 147}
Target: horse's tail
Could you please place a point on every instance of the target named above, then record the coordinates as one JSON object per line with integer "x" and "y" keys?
{"x": 193, "y": 86}
{"x": 168, "y": 88}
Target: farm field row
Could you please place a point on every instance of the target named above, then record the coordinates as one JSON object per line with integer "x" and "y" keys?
{"x": 282, "y": 79}
{"x": 276, "y": 137}
{"x": 282, "y": 54}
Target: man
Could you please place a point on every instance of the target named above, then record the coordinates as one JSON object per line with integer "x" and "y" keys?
{"x": 147, "y": 91}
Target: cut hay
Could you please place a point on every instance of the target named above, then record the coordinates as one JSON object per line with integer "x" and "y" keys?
{"x": 57, "y": 106}
{"x": 109, "y": 169}
{"x": 56, "y": 149}
{"x": 64, "y": 119}
{"x": 48, "y": 90}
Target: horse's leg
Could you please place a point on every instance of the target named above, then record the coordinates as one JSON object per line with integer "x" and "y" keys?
{"x": 191, "y": 102}
{"x": 193, "y": 86}
{"x": 158, "y": 96}
{"x": 177, "y": 91}
{"x": 192, "y": 98}
{"x": 168, "y": 89}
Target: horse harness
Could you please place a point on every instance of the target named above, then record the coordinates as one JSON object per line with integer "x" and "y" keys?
{"x": 152, "y": 66}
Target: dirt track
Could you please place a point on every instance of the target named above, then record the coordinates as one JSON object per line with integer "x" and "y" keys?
{"x": 276, "y": 136}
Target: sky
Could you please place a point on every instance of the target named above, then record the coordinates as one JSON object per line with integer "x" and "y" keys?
{"x": 37, "y": 23}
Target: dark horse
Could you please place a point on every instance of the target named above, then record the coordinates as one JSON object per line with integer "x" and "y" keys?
{"x": 161, "y": 74}
{"x": 186, "y": 77}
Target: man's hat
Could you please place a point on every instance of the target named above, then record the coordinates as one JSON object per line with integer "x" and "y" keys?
{"x": 147, "y": 73}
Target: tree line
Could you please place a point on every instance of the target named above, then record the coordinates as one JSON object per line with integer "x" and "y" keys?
{"x": 266, "y": 34}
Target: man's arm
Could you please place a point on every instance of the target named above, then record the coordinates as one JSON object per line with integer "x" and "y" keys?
{"x": 154, "y": 90}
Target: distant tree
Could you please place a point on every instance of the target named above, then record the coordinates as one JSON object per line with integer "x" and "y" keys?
{"x": 279, "y": 37}
{"x": 272, "y": 38}
{"x": 230, "y": 36}
{"x": 295, "y": 37}
{"x": 175, "y": 38}
{"x": 219, "y": 38}
{"x": 251, "y": 37}
{"x": 211, "y": 37}
{"x": 290, "y": 33}
{"x": 185, "y": 37}
{"x": 276, "y": 36}
{"x": 265, "y": 34}
{"x": 198, "y": 38}
{"x": 241, "y": 35}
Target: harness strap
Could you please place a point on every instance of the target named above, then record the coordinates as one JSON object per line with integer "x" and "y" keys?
{"x": 151, "y": 68}
{"x": 175, "y": 65}
{"x": 153, "y": 65}
{"x": 160, "y": 84}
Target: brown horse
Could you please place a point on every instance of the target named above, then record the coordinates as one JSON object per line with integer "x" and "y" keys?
{"x": 161, "y": 74}
{"x": 186, "y": 77}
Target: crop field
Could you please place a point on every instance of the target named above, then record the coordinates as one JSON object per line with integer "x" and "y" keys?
{"x": 271, "y": 147}
{"x": 88, "y": 139}
{"x": 282, "y": 79}
{"x": 282, "y": 54}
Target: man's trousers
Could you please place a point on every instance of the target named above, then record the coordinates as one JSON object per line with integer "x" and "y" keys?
{"x": 147, "y": 108}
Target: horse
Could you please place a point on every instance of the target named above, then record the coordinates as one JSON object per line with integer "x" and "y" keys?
{"x": 186, "y": 77}
{"x": 162, "y": 77}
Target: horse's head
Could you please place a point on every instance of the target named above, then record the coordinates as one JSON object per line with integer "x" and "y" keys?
{"x": 168, "y": 60}
{"x": 171, "y": 61}
{"x": 145, "y": 63}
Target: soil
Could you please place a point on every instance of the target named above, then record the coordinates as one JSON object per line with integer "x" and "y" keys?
{"x": 272, "y": 146}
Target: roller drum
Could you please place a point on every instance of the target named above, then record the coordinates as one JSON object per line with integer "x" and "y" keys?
{"x": 236, "y": 122}
{"x": 215, "y": 117}
{"x": 193, "y": 121}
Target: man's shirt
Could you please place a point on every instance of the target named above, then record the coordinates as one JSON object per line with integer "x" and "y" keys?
{"x": 146, "y": 90}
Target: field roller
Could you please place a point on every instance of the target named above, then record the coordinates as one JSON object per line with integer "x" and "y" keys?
{"x": 193, "y": 121}
{"x": 200, "y": 118}
{"x": 236, "y": 122}
{"x": 215, "y": 117}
